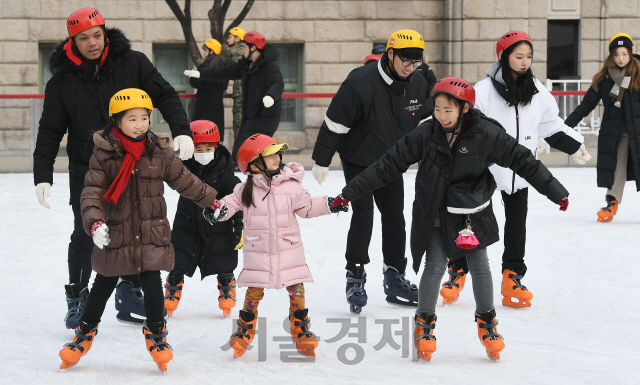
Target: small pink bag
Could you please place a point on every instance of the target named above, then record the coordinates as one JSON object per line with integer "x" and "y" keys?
{"x": 466, "y": 239}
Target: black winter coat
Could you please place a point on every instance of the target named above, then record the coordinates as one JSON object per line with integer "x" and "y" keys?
{"x": 196, "y": 242}
{"x": 259, "y": 79}
{"x": 614, "y": 122}
{"x": 428, "y": 74}
{"x": 485, "y": 142}
{"x": 369, "y": 113}
{"x": 77, "y": 102}
{"x": 209, "y": 96}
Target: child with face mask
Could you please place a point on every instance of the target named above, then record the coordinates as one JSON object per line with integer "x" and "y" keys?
{"x": 211, "y": 247}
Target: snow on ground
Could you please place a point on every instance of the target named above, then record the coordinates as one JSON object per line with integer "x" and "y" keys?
{"x": 581, "y": 329}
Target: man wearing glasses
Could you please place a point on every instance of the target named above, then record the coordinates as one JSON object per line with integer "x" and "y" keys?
{"x": 375, "y": 106}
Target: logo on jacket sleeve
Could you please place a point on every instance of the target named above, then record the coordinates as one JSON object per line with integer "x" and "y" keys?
{"x": 527, "y": 137}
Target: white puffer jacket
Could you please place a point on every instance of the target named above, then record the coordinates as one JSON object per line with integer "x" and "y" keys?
{"x": 536, "y": 120}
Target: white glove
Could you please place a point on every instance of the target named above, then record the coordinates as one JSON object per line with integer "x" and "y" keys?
{"x": 268, "y": 101}
{"x": 192, "y": 73}
{"x": 42, "y": 190}
{"x": 183, "y": 143}
{"x": 581, "y": 156}
{"x": 320, "y": 173}
{"x": 100, "y": 235}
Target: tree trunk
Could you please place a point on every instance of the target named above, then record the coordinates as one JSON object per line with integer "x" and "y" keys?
{"x": 185, "y": 21}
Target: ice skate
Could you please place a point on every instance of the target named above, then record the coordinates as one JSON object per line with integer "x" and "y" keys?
{"x": 606, "y": 213}
{"x": 73, "y": 351}
{"x": 423, "y": 337}
{"x": 173, "y": 292}
{"x": 398, "y": 289}
{"x": 489, "y": 337}
{"x": 227, "y": 298}
{"x": 241, "y": 339}
{"x": 356, "y": 295}
{"x": 155, "y": 334}
{"x": 76, "y": 294}
{"x": 305, "y": 340}
{"x": 129, "y": 303}
{"x": 451, "y": 289}
{"x": 515, "y": 294}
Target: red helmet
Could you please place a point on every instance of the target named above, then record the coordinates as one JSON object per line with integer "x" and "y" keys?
{"x": 509, "y": 39}
{"x": 256, "y": 145}
{"x": 204, "y": 131}
{"x": 83, "y": 19}
{"x": 256, "y": 39}
{"x": 373, "y": 56}
{"x": 456, "y": 87}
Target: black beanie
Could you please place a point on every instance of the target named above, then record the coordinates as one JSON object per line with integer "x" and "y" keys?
{"x": 620, "y": 40}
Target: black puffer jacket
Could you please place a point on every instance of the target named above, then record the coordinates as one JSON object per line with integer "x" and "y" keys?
{"x": 77, "y": 102}
{"x": 195, "y": 241}
{"x": 259, "y": 79}
{"x": 369, "y": 113}
{"x": 428, "y": 74}
{"x": 485, "y": 142}
{"x": 614, "y": 122}
{"x": 209, "y": 97}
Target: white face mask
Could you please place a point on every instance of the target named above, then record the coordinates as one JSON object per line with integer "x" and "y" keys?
{"x": 203, "y": 157}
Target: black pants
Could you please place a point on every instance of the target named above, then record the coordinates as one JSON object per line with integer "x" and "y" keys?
{"x": 515, "y": 233}
{"x": 81, "y": 245}
{"x": 103, "y": 288}
{"x": 390, "y": 202}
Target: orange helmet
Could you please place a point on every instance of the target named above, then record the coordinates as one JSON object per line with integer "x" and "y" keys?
{"x": 371, "y": 57}
{"x": 204, "y": 131}
{"x": 83, "y": 19}
{"x": 456, "y": 87}
{"x": 509, "y": 39}
{"x": 256, "y": 146}
{"x": 256, "y": 39}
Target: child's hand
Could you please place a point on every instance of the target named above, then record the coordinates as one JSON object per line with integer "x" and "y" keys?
{"x": 564, "y": 204}
{"x": 100, "y": 234}
{"x": 215, "y": 212}
{"x": 338, "y": 204}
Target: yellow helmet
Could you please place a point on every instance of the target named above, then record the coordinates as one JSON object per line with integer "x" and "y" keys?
{"x": 620, "y": 40}
{"x": 129, "y": 98}
{"x": 237, "y": 31}
{"x": 405, "y": 38}
{"x": 214, "y": 45}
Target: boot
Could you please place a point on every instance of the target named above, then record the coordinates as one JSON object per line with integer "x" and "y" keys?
{"x": 241, "y": 339}
{"x": 73, "y": 351}
{"x": 76, "y": 294}
{"x": 173, "y": 292}
{"x": 489, "y": 337}
{"x": 227, "y": 298}
{"x": 451, "y": 289}
{"x": 423, "y": 337}
{"x": 512, "y": 289}
{"x": 129, "y": 303}
{"x": 398, "y": 289}
{"x": 155, "y": 334}
{"x": 606, "y": 213}
{"x": 305, "y": 340}
{"x": 356, "y": 294}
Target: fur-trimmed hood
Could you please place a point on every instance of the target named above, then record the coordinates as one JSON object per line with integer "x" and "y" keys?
{"x": 119, "y": 48}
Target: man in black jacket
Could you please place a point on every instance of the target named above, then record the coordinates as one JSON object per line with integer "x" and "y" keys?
{"x": 374, "y": 107}
{"x": 88, "y": 68}
{"x": 262, "y": 86}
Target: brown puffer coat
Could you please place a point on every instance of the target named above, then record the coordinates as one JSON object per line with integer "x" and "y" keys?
{"x": 138, "y": 226}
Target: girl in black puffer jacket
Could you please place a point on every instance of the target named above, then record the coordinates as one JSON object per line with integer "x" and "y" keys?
{"x": 453, "y": 196}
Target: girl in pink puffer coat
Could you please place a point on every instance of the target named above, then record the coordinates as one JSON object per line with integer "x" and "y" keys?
{"x": 273, "y": 251}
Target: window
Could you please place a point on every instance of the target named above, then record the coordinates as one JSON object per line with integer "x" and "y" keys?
{"x": 290, "y": 62}
{"x": 171, "y": 60}
{"x": 562, "y": 49}
{"x": 44, "y": 74}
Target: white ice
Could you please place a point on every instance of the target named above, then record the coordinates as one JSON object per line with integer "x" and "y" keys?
{"x": 581, "y": 329}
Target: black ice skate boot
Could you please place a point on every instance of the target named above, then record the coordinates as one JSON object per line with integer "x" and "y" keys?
{"x": 76, "y": 297}
{"x": 129, "y": 303}
{"x": 356, "y": 295}
{"x": 398, "y": 289}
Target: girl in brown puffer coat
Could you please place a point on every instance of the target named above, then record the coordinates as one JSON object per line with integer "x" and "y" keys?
{"x": 124, "y": 210}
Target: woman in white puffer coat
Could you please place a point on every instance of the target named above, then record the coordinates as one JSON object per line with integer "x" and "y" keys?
{"x": 526, "y": 109}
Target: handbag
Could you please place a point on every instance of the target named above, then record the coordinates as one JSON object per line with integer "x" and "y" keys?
{"x": 466, "y": 239}
{"x": 470, "y": 197}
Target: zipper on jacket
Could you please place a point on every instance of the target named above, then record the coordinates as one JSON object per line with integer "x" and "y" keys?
{"x": 513, "y": 179}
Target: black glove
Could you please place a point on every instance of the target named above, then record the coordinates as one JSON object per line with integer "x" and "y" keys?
{"x": 338, "y": 204}
{"x": 210, "y": 214}
{"x": 238, "y": 227}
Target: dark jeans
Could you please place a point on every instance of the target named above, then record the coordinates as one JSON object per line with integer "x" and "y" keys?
{"x": 103, "y": 288}
{"x": 515, "y": 233}
{"x": 81, "y": 245}
{"x": 390, "y": 202}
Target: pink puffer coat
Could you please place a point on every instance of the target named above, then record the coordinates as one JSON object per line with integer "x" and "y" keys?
{"x": 273, "y": 252}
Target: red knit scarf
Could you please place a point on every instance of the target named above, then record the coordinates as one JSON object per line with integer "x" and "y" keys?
{"x": 134, "y": 152}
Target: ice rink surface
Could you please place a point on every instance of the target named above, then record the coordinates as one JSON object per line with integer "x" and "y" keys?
{"x": 581, "y": 329}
